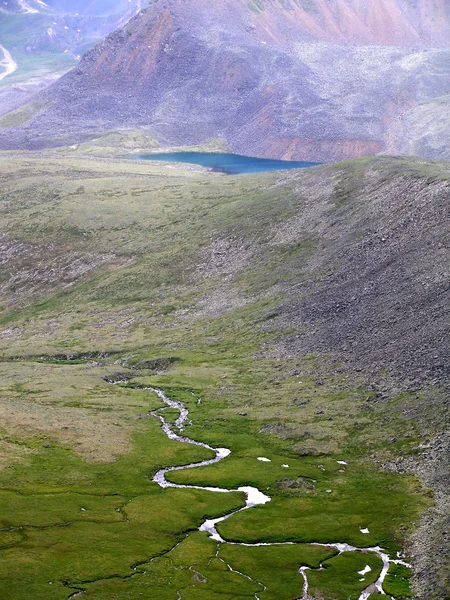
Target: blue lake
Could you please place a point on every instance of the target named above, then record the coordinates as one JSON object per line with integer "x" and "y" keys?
{"x": 232, "y": 164}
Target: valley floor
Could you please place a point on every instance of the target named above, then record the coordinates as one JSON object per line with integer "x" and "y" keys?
{"x": 190, "y": 282}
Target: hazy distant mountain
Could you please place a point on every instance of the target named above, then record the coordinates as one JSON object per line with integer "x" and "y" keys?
{"x": 86, "y": 7}
{"x": 306, "y": 79}
{"x": 44, "y": 36}
{"x": 89, "y": 7}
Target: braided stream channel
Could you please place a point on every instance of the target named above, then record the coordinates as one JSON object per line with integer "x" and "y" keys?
{"x": 254, "y": 497}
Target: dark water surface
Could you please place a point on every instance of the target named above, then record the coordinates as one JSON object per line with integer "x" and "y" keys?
{"x": 232, "y": 164}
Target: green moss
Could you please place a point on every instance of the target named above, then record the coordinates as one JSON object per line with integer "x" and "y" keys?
{"x": 276, "y": 567}
{"x": 341, "y": 579}
{"x": 397, "y": 582}
{"x": 85, "y": 521}
{"x": 354, "y": 503}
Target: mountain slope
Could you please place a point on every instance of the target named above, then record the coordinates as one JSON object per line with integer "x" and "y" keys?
{"x": 358, "y": 249}
{"x": 317, "y": 81}
{"x": 306, "y": 310}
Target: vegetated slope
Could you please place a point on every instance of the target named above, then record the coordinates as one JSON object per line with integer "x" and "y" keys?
{"x": 358, "y": 250}
{"x": 45, "y": 37}
{"x": 313, "y": 80}
{"x": 322, "y": 294}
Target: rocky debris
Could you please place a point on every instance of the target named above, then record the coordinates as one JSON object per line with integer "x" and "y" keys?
{"x": 385, "y": 305}
{"x": 118, "y": 378}
{"x": 158, "y": 365}
{"x": 91, "y": 358}
{"x": 225, "y": 257}
{"x": 29, "y": 270}
{"x": 281, "y": 430}
{"x": 430, "y": 543}
{"x": 286, "y": 483}
{"x": 220, "y": 300}
{"x": 11, "y": 333}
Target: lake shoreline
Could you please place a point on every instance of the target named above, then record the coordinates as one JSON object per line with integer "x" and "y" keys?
{"x": 227, "y": 163}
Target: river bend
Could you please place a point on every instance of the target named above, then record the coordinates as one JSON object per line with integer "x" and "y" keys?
{"x": 253, "y": 496}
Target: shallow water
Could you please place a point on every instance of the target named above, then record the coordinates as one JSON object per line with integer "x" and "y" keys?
{"x": 231, "y": 164}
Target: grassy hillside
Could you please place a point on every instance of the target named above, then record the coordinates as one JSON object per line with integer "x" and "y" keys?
{"x": 305, "y": 309}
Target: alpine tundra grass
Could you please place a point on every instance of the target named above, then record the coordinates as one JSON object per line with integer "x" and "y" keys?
{"x": 181, "y": 280}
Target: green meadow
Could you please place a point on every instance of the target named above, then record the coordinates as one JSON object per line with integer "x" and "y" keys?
{"x": 171, "y": 277}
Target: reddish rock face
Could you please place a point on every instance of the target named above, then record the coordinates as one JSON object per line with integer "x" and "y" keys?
{"x": 304, "y": 79}
{"x": 386, "y": 22}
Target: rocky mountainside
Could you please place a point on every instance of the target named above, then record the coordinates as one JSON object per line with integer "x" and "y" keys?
{"x": 309, "y": 79}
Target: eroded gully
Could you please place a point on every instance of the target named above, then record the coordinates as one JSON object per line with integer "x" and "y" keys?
{"x": 253, "y": 496}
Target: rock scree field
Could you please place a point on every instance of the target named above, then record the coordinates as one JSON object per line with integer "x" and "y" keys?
{"x": 298, "y": 319}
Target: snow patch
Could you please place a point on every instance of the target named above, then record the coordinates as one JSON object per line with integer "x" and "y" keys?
{"x": 24, "y": 6}
{"x": 8, "y": 63}
{"x": 254, "y": 496}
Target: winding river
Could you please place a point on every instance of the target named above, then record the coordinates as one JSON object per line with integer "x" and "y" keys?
{"x": 253, "y": 498}
{"x": 8, "y": 63}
